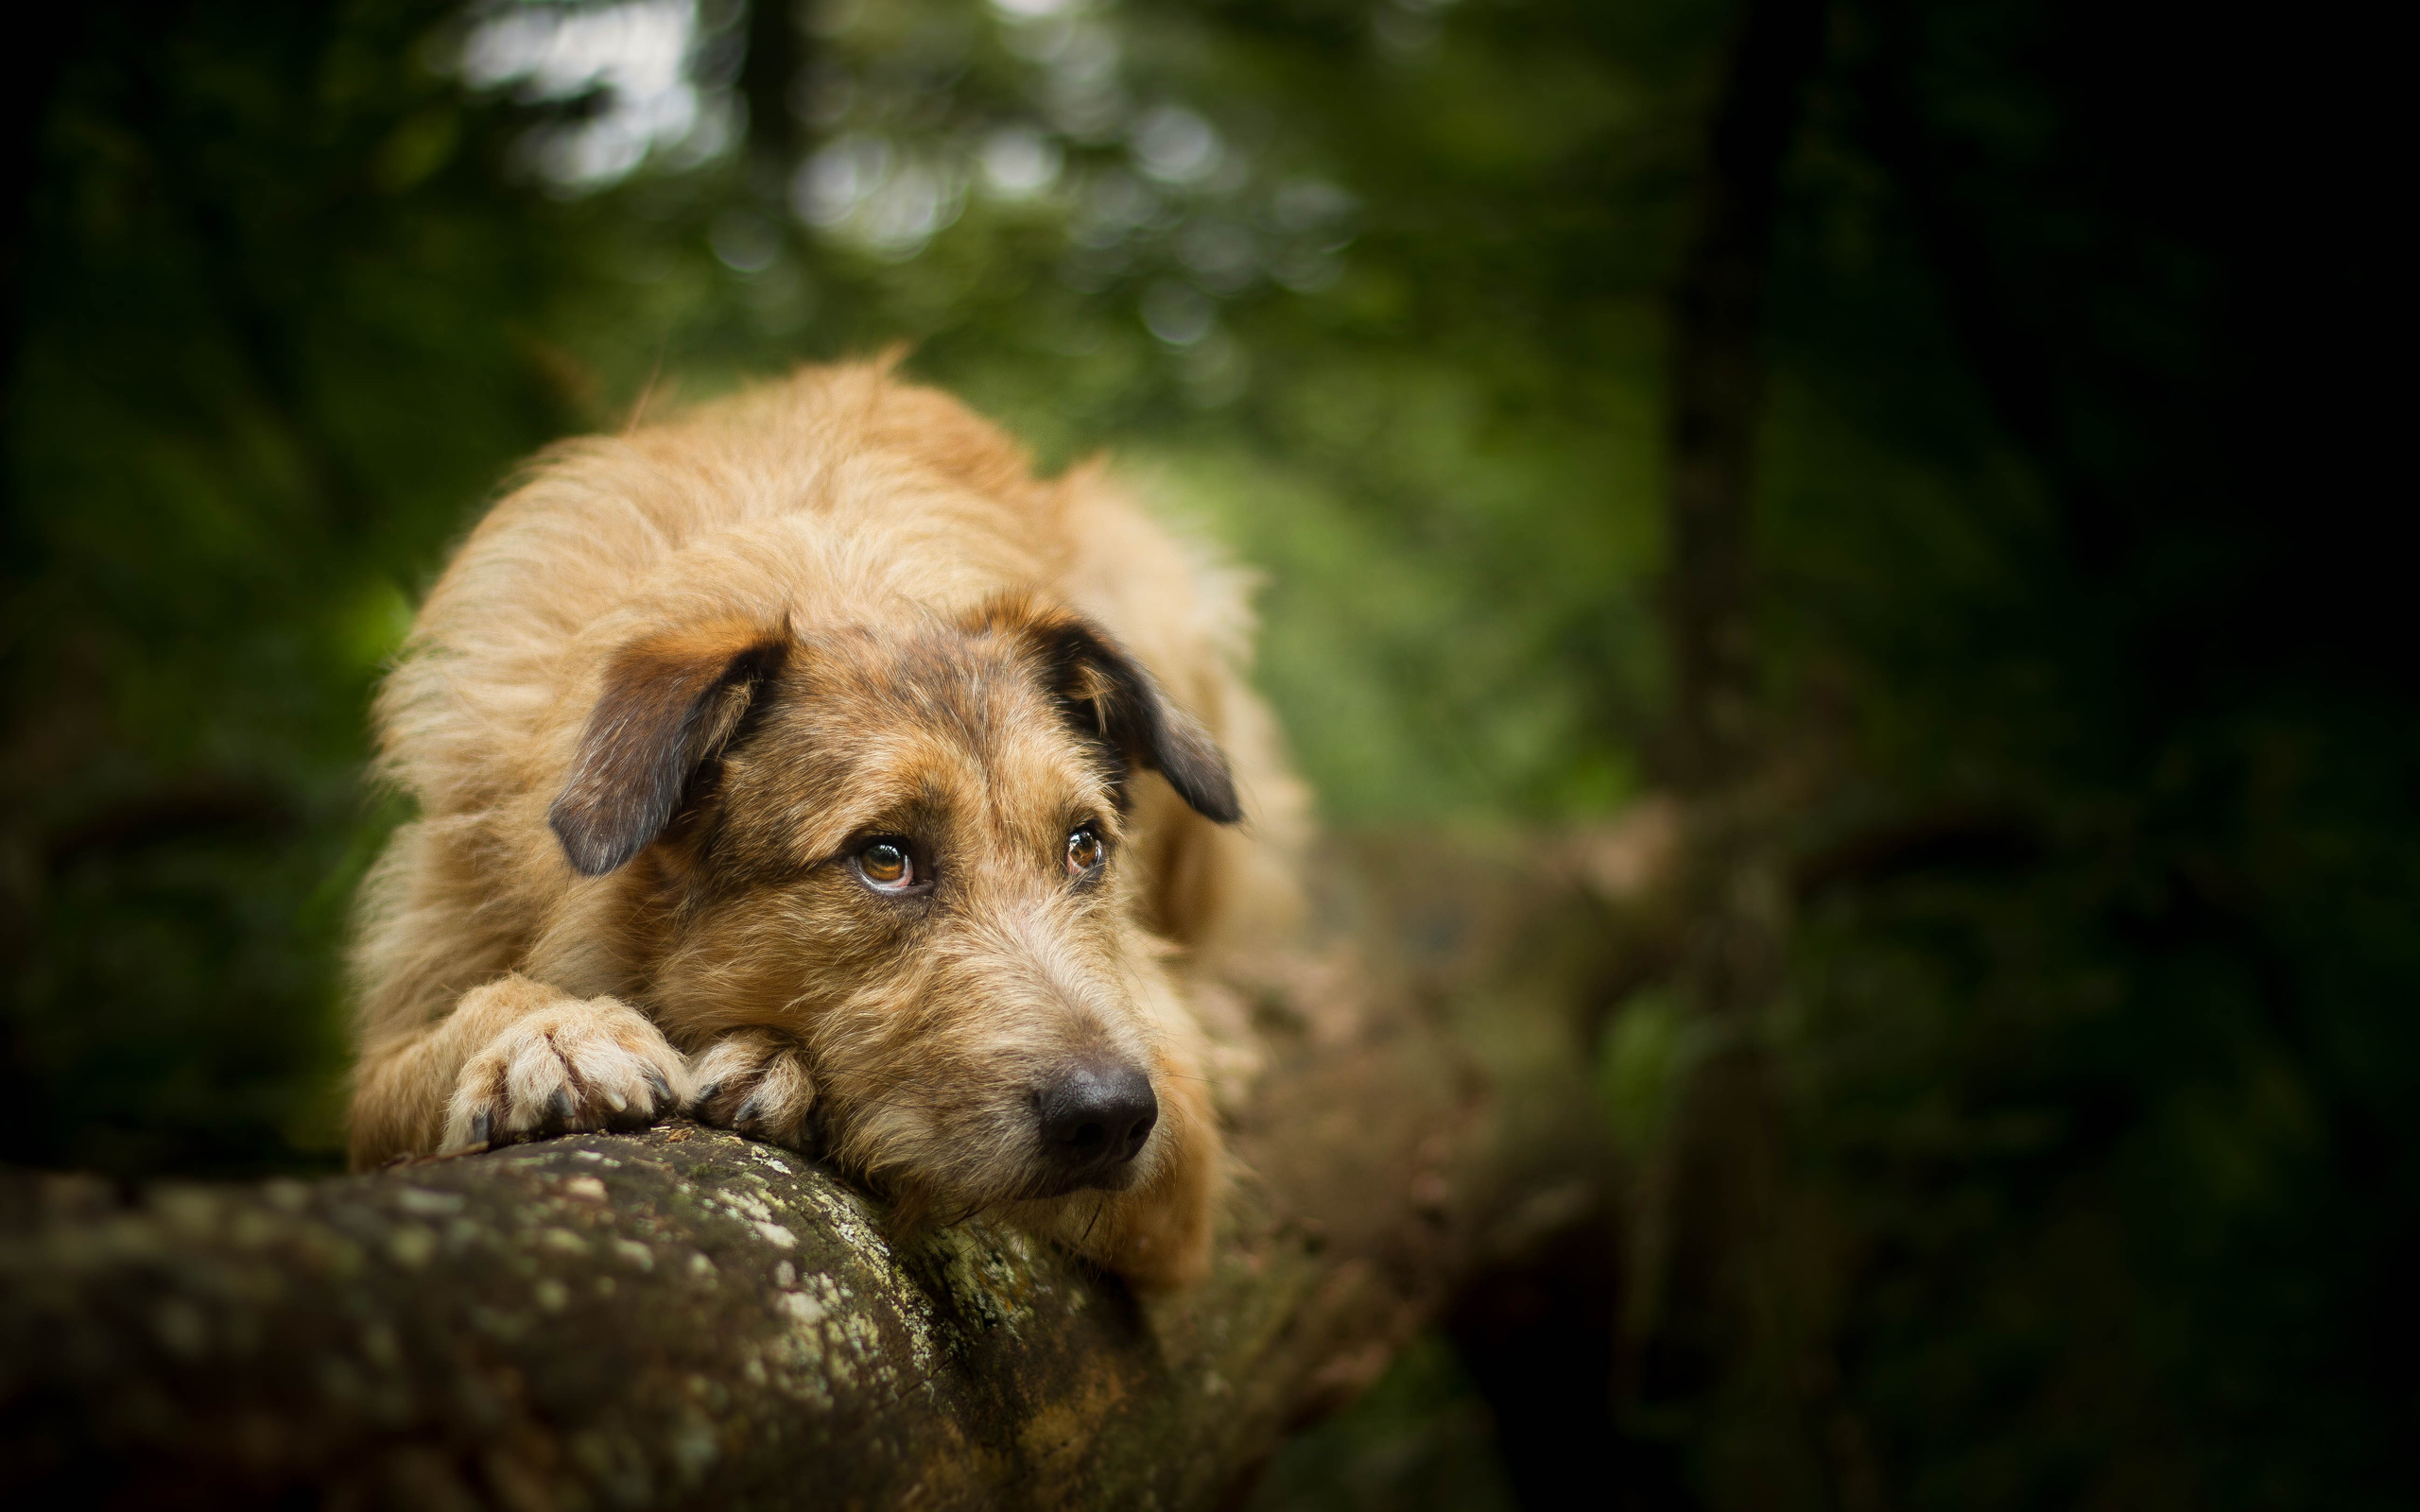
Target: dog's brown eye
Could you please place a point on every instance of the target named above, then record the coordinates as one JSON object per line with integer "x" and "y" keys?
{"x": 1084, "y": 851}
{"x": 886, "y": 865}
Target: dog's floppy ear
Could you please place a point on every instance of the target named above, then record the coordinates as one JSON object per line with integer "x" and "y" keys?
{"x": 671, "y": 702}
{"x": 1110, "y": 694}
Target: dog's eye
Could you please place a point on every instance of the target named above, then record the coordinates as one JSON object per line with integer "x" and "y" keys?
{"x": 886, "y": 863}
{"x": 1084, "y": 851}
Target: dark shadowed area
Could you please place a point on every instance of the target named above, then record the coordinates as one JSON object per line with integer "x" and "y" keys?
{"x": 1940, "y": 451}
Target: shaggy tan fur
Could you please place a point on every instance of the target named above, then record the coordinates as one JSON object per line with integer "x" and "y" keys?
{"x": 661, "y": 716}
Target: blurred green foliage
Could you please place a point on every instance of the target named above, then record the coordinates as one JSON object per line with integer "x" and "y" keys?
{"x": 2098, "y": 1052}
{"x": 274, "y": 332}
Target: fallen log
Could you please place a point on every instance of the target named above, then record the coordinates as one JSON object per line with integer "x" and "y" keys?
{"x": 681, "y": 1317}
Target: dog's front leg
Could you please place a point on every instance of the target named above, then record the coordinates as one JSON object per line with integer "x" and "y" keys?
{"x": 515, "y": 1059}
{"x": 757, "y": 1082}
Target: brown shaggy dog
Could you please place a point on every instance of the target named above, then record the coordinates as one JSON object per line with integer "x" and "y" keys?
{"x": 808, "y": 766}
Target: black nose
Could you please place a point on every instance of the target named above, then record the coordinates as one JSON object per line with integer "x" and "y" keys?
{"x": 1095, "y": 1116}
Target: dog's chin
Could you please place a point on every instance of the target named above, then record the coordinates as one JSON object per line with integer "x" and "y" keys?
{"x": 1066, "y": 1184}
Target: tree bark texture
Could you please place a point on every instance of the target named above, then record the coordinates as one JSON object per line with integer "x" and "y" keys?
{"x": 681, "y": 1317}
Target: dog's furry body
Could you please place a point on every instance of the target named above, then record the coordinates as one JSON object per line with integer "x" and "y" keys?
{"x": 679, "y": 687}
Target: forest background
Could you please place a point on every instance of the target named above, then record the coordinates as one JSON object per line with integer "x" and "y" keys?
{"x": 2060, "y": 607}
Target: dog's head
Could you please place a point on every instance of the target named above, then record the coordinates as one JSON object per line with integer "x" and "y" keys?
{"x": 903, "y": 845}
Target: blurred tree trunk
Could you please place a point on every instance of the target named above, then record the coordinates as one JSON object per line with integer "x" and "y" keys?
{"x": 1718, "y": 384}
{"x": 772, "y": 76}
{"x": 680, "y": 1317}
{"x": 1708, "y": 1337}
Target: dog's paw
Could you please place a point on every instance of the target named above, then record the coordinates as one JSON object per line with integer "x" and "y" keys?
{"x": 593, "y": 1065}
{"x": 757, "y": 1084}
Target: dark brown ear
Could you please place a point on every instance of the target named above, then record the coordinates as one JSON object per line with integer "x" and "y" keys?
{"x": 1109, "y": 694}
{"x": 671, "y": 701}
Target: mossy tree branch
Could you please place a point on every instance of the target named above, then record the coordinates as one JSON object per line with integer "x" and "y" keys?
{"x": 680, "y": 1317}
